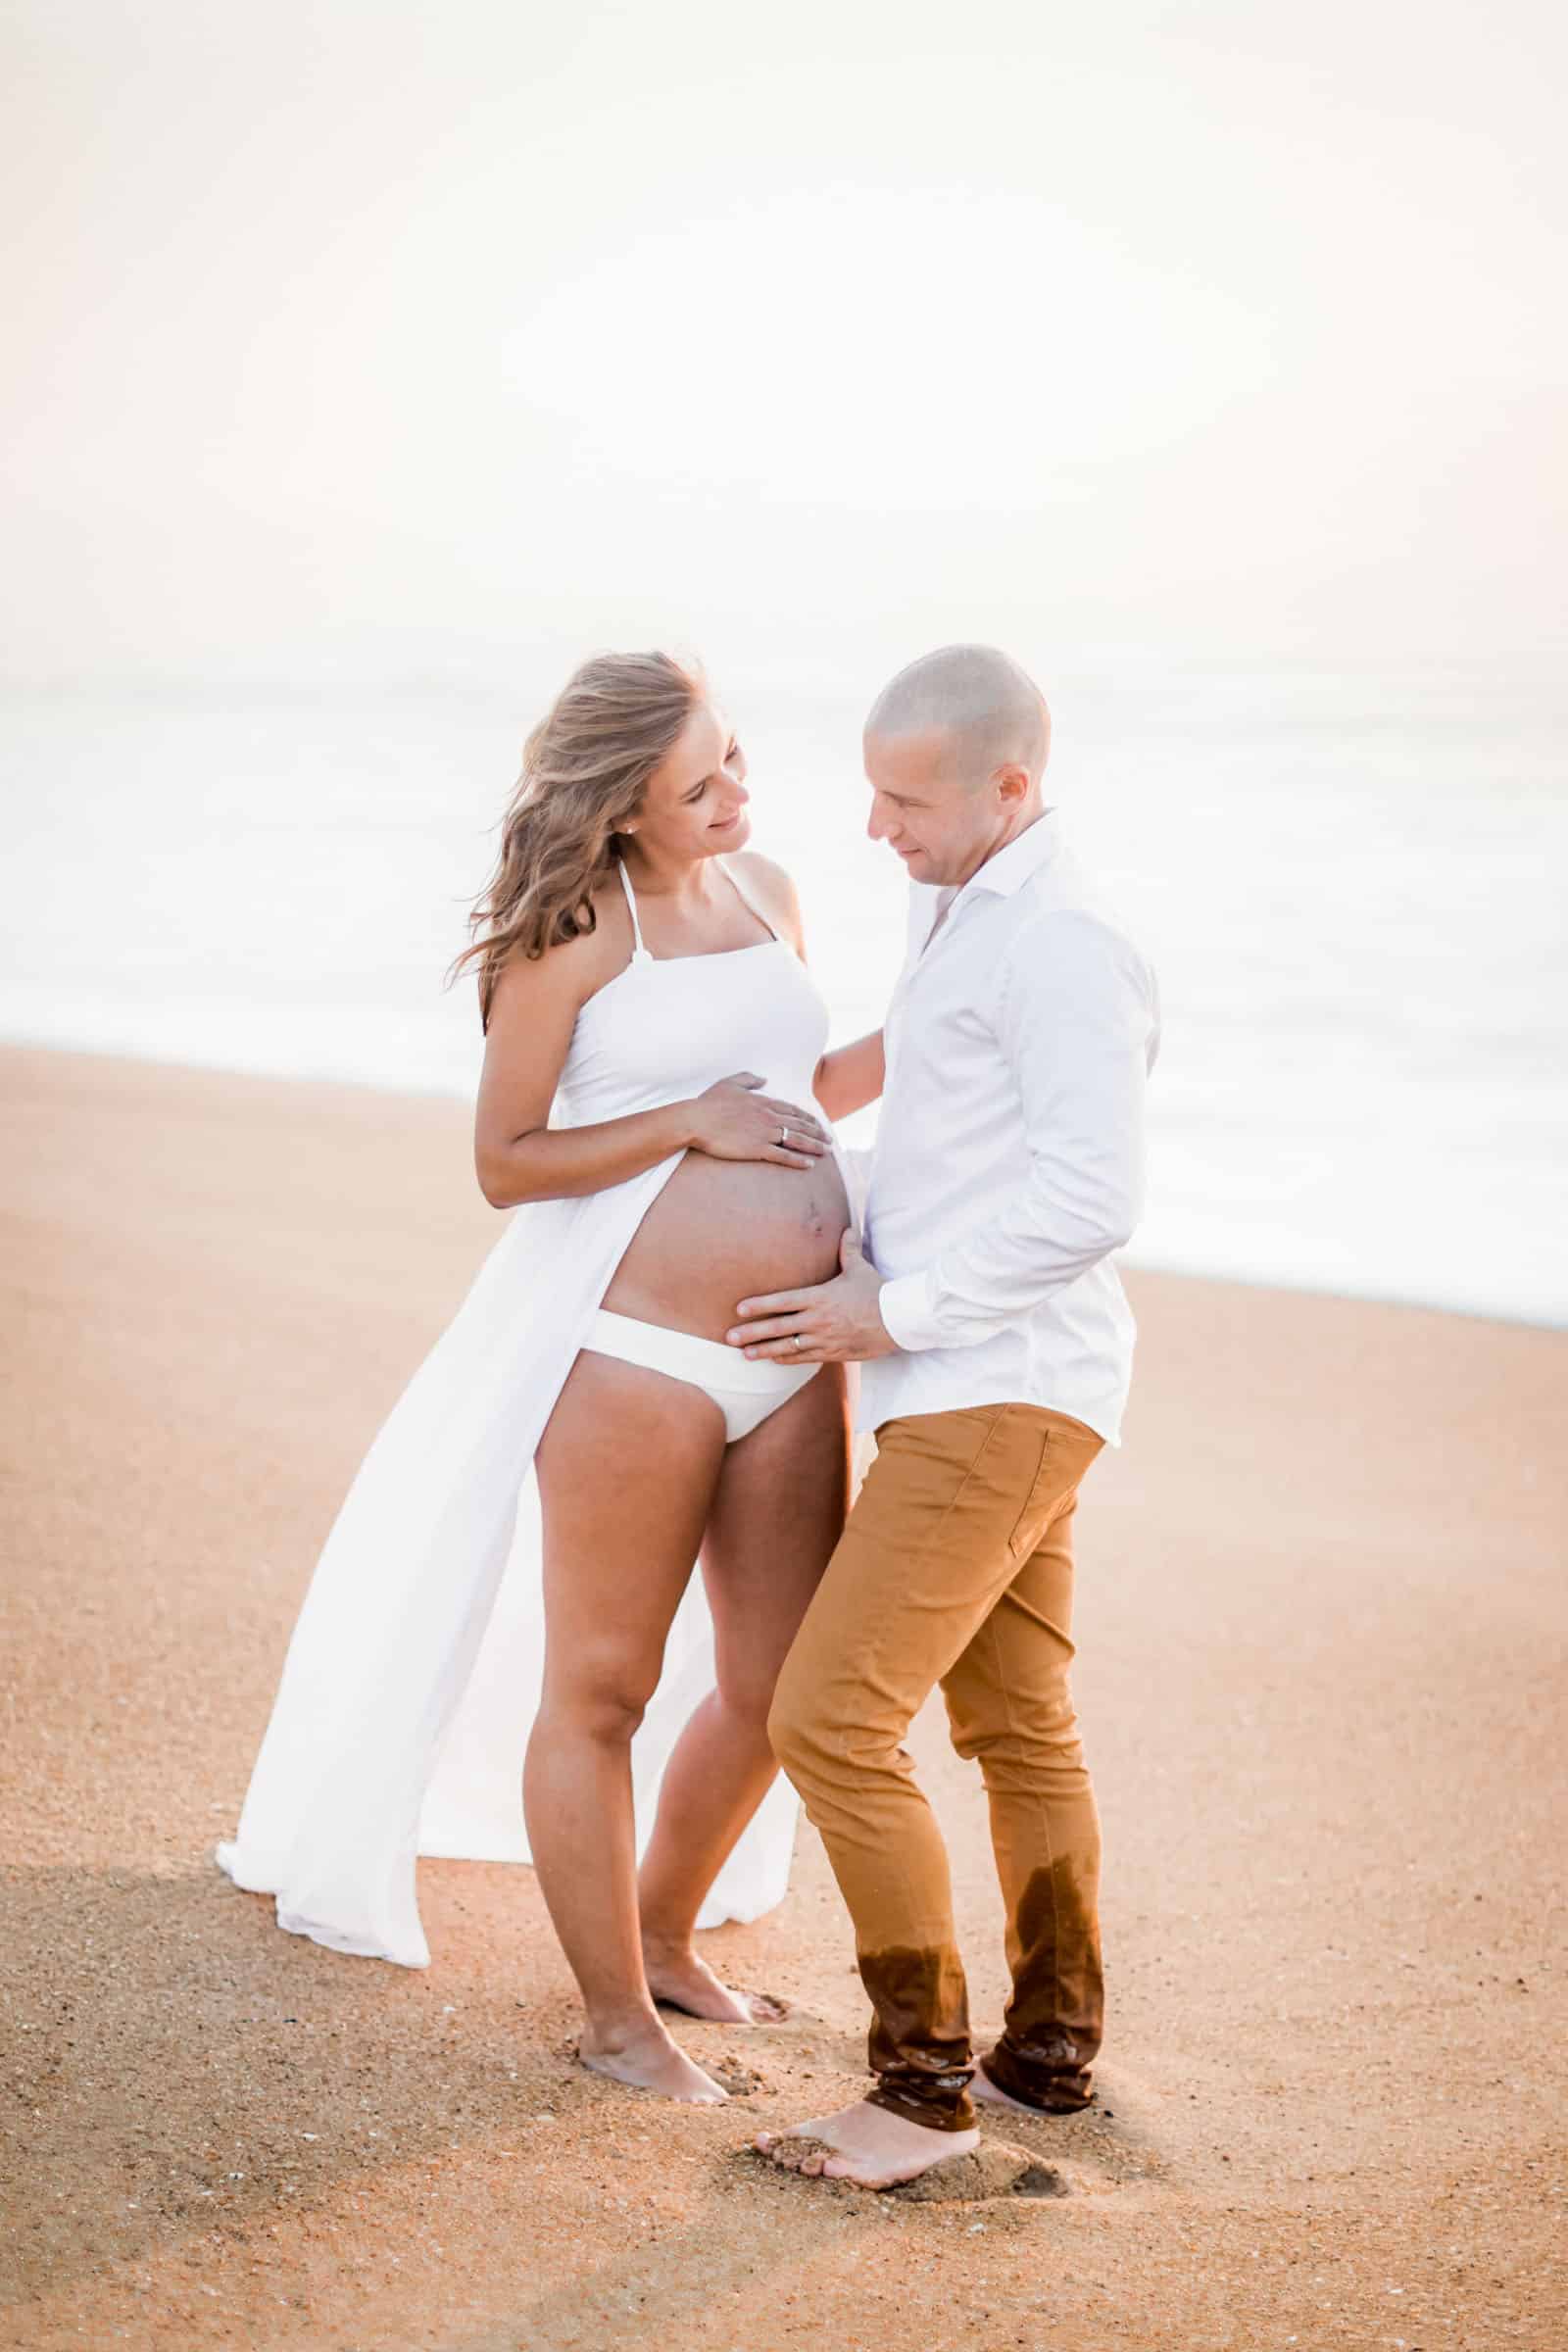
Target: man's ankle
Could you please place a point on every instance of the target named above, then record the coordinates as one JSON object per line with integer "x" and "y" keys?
{"x": 946, "y": 2115}
{"x": 1063, "y": 2091}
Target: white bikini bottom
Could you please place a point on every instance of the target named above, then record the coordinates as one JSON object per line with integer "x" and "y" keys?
{"x": 745, "y": 1389}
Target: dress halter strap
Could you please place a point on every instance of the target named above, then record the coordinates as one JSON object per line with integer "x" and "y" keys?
{"x": 745, "y": 898}
{"x": 638, "y": 951}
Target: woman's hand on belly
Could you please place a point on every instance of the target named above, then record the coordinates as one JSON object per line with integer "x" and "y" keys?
{"x": 732, "y": 1120}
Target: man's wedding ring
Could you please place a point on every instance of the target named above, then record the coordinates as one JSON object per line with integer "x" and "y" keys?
{"x": 783, "y": 1136}
{"x": 795, "y": 1339}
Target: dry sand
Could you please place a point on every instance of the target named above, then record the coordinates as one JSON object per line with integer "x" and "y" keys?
{"x": 1321, "y": 1631}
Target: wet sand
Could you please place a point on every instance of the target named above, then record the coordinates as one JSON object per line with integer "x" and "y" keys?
{"x": 1322, "y": 1632}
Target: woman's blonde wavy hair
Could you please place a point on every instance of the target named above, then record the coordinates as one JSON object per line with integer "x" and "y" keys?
{"x": 585, "y": 770}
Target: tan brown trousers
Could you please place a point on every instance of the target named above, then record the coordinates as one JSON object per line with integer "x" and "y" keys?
{"x": 957, "y": 1567}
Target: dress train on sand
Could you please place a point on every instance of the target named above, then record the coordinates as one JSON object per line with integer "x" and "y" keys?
{"x": 412, "y": 1677}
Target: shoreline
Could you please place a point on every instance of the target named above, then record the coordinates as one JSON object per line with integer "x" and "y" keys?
{"x": 1319, "y": 1622}
{"x": 1133, "y": 1260}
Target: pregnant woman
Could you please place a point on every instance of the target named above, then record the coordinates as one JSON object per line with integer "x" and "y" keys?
{"x": 641, "y": 972}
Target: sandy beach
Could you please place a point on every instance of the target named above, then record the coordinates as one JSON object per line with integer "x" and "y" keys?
{"x": 1322, "y": 1629}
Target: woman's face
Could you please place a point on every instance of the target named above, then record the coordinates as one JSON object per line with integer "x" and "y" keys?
{"x": 697, "y": 803}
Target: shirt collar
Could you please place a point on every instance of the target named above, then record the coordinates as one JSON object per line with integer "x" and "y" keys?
{"x": 1010, "y": 868}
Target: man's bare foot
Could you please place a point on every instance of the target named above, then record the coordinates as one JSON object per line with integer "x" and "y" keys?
{"x": 868, "y": 2145}
{"x": 681, "y": 1981}
{"x": 985, "y": 2093}
{"x": 645, "y": 2057}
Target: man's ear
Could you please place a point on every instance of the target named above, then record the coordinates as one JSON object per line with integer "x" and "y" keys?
{"x": 1011, "y": 783}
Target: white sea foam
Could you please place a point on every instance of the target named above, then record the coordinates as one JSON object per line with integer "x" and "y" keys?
{"x": 1352, "y": 888}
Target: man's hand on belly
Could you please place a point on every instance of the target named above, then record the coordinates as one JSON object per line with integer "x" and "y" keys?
{"x": 836, "y": 1322}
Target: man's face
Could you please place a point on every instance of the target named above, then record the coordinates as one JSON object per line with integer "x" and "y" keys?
{"x": 923, "y": 808}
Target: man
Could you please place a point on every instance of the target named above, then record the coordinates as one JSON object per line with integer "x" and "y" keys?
{"x": 996, "y": 1346}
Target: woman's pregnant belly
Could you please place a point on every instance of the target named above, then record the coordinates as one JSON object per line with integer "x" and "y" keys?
{"x": 723, "y": 1230}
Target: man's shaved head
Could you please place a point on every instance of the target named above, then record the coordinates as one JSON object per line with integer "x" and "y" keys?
{"x": 954, "y": 750}
{"x": 992, "y": 710}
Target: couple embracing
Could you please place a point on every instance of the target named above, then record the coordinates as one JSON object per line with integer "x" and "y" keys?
{"x": 656, "y": 1359}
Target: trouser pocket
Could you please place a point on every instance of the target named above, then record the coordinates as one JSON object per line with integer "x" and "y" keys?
{"x": 1066, "y": 1449}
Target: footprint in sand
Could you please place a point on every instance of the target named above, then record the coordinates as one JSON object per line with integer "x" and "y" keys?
{"x": 734, "y": 2076}
{"x": 995, "y": 2169}
{"x": 1124, "y": 2137}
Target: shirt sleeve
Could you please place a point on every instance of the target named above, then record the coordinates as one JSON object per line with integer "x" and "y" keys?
{"x": 1076, "y": 1025}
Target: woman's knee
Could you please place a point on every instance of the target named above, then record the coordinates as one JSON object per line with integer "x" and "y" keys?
{"x": 602, "y": 1699}
{"x": 747, "y": 1694}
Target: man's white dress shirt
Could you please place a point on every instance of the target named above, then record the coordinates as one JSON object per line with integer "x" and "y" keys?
{"x": 1010, "y": 1154}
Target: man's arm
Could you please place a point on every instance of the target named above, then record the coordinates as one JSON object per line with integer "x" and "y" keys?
{"x": 851, "y": 1076}
{"x": 1076, "y": 1024}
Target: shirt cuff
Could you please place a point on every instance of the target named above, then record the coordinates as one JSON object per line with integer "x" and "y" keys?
{"x": 908, "y": 1310}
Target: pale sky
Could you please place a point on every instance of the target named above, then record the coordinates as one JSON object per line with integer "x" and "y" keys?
{"x": 374, "y": 341}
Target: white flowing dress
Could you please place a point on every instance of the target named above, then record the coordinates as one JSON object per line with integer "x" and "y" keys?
{"x": 413, "y": 1676}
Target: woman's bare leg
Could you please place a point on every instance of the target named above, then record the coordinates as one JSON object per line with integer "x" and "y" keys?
{"x": 627, "y": 1467}
{"x": 777, "y": 1511}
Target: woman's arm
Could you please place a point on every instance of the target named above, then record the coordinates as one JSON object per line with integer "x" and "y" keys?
{"x": 519, "y": 1156}
{"x": 851, "y": 1076}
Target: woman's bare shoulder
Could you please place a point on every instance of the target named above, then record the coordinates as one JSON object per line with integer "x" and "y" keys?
{"x": 574, "y": 969}
{"x": 771, "y": 886}
{"x": 768, "y": 870}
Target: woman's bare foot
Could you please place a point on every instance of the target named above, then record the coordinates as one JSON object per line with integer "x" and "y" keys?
{"x": 681, "y": 1981}
{"x": 868, "y": 2145}
{"x": 644, "y": 2056}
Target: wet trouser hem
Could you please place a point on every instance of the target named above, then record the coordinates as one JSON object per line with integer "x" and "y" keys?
{"x": 949, "y": 2114}
{"x": 1052, "y": 2094}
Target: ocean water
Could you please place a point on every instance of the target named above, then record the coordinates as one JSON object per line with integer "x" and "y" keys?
{"x": 1352, "y": 886}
